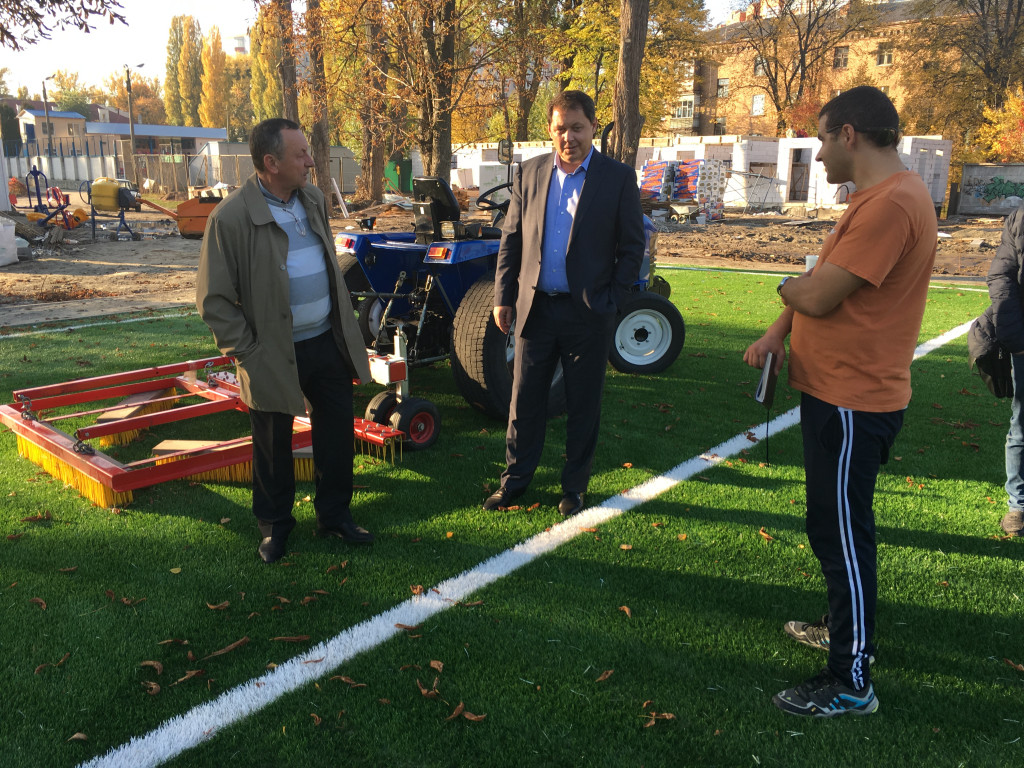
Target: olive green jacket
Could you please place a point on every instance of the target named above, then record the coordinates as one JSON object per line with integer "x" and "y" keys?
{"x": 242, "y": 295}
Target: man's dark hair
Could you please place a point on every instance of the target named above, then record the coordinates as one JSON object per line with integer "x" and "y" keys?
{"x": 868, "y": 110}
{"x": 573, "y": 100}
{"x": 265, "y": 139}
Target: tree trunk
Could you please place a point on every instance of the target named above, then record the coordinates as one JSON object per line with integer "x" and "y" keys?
{"x": 374, "y": 111}
{"x": 632, "y": 40}
{"x": 437, "y": 40}
{"x": 319, "y": 139}
{"x": 286, "y": 69}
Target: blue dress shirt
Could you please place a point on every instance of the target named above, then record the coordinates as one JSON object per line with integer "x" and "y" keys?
{"x": 563, "y": 197}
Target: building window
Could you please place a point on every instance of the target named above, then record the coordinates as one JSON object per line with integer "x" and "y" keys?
{"x": 45, "y": 128}
{"x": 757, "y": 104}
{"x": 723, "y": 87}
{"x": 719, "y": 126}
{"x": 685, "y": 108}
{"x": 759, "y": 67}
{"x": 74, "y": 129}
{"x": 841, "y": 60}
{"x": 883, "y": 56}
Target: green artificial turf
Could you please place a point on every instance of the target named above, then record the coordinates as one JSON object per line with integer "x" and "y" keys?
{"x": 709, "y": 571}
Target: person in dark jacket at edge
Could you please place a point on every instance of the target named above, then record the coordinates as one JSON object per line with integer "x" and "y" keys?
{"x": 1006, "y": 290}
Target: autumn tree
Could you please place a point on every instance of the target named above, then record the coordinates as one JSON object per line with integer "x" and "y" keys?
{"x": 265, "y": 44}
{"x": 25, "y": 22}
{"x": 147, "y": 101}
{"x": 71, "y": 95}
{"x": 239, "y": 103}
{"x": 319, "y": 137}
{"x": 791, "y": 48}
{"x": 286, "y": 66}
{"x": 633, "y": 37}
{"x": 1002, "y": 135}
{"x": 213, "y": 105}
{"x": 172, "y": 92}
{"x": 190, "y": 71}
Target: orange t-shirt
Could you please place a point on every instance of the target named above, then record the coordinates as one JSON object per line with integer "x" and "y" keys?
{"x": 858, "y": 355}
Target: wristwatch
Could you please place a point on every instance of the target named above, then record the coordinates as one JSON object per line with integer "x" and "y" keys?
{"x": 778, "y": 288}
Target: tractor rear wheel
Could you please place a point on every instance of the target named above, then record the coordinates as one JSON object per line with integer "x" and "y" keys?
{"x": 482, "y": 356}
{"x": 355, "y": 278}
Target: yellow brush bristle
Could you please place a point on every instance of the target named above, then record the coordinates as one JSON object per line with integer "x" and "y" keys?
{"x": 91, "y": 489}
{"x": 124, "y": 438}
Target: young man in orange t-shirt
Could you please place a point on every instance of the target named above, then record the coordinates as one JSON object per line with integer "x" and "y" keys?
{"x": 853, "y": 323}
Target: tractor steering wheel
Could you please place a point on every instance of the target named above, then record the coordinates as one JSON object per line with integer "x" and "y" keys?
{"x": 484, "y": 202}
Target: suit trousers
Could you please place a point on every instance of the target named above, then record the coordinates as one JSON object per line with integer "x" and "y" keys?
{"x": 843, "y": 451}
{"x": 326, "y": 382}
{"x": 557, "y": 331}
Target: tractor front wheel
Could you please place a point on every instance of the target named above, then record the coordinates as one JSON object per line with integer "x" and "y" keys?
{"x": 649, "y": 335}
{"x": 381, "y": 406}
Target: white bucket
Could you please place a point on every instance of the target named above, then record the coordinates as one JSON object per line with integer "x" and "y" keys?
{"x": 8, "y": 249}
{"x": 811, "y": 259}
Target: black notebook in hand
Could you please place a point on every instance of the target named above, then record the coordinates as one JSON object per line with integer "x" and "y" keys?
{"x": 765, "y": 392}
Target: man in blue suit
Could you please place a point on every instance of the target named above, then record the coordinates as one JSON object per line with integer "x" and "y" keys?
{"x": 571, "y": 249}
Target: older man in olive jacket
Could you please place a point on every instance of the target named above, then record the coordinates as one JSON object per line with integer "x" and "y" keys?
{"x": 270, "y": 289}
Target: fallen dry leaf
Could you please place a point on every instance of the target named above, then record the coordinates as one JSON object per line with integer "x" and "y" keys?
{"x": 627, "y": 465}
{"x": 173, "y": 640}
{"x": 64, "y": 658}
{"x": 175, "y": 570}
{"x": 765, "y": 535}
{"x": 449, "y": 534}
{"x": 417, "y": 589}
{"x": 219, "y": 607}
{"x": 79, "y": 737}
{"x": 228, "y": 648}
{"x": 384, "y": 701}
{"x": 282, "y": 599}
{"x": 151, "y": 688}
{"x": 408, "y": 628}
{"x": 605, "y": 675}
{"x": 156, "y": 665}
{"x": 37, "y": 518}
{"x": 38, "y": 601}
{"x": 625, "y": 610}
{"x": 15, "y": 536}
{"x": 589, "y": 530}
{"x": 474, "y": 604}
{"x": 321, "y": 592}
{"x": 1018, "y": 667}
{"x": 349, "y": 681}
{"x": 625, "y": 546}
{"x": 431, "y": 693}
{"x": 681, "y": 537}
{"x": 532, "y": 507}
{"x": 189, "y": 674}
{"x": 459, "y": 709}
{"x": 316, "y": 718}
{"x": 315, "y": 661}
{"x": 438, "y": 665}
{"x": 67, "y": 570}
{"x": 646, "y": 704}
{"x": 225, "y": 520}
{"x": 404, "y": 667}
{"x": 473, "y": 718}
{"x": 308, "y": 599}
{"x": 293, "y": 639}
{"x": 40, "y": 668}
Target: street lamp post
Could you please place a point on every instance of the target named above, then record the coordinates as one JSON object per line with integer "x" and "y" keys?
{"x": 49, "y": 128}
{"x": 131, "y": 120}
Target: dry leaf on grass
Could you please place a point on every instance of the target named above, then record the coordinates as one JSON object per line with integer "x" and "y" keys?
{"x": 1018, "y": 667}
{"x": 473, "y": 718}
{"x": 625, "y": 546}
{"x": 64, "y": 658}
{"x": 459, "y": 709}
{"x": 228, "y": 648}
{"x": 438, "y": 665}
{"x": 681, "y": 537}
{"x": 432, "y": 693}
{"x": 308, "y": 599}
{"x": 38, "y": 601}
{"x": 292, "y": 639}
{"x": 407, "y": 627}
{"x": 40, "y": 668}
{"x": 175, "y": 640}
{"x": 219, "y": 607}
{"x": 474, "y": 604}
{"x": 404, "y": 667}
{"x": 79, "y": 737}
{"x": 417, "y": 589}
{"x": 37, "y": 518}
{"x": 625, "y": 610}
{"x": 765, "y": 535}
{"x": 175, "y": 570}
{"x": 14, "y": 536}
{"x": 316, "y": 718}
{"x": 151, "y": 688}
{"x": 349, "y": 681}
{"x": 189, "y": 674}
{"x": 605, "y": 675}
{"x": 67, "y": 570}
{"x": 156, "y": 665}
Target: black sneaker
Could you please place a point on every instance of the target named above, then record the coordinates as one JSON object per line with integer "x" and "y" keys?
{"x": 813, "y": 635}
{"x": 826, "y": 696}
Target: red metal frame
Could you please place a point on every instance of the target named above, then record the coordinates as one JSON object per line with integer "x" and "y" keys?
{"x": 26, "y": 418}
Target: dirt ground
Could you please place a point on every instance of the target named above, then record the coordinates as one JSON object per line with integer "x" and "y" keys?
{"x": 88, "y": 278}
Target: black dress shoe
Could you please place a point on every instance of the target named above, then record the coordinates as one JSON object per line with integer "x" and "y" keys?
{"x": 571, "y": 504}
{"x": 349, "y": 532}
{"x": 271, "y": 549}
{"x": 502, "y": 497}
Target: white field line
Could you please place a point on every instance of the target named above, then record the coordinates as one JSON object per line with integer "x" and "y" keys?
{"x": 66, "y": 328}
{"x": 200, "y": 723}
